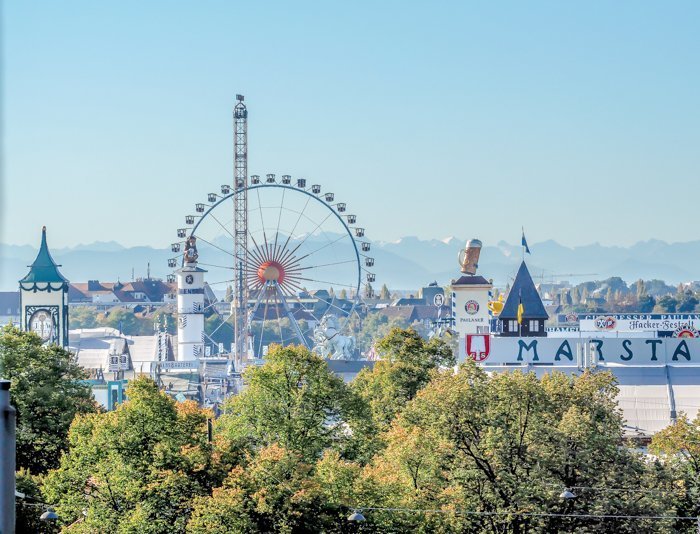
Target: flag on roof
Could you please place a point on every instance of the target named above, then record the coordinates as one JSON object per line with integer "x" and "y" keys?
{"x": 523, "y": 242}
{"x": 521, "y": 312}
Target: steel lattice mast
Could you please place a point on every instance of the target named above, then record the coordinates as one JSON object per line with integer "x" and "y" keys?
{"x": 240, "y": 230}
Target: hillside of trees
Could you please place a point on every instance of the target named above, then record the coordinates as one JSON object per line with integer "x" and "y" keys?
{"x": 616, "y": 296}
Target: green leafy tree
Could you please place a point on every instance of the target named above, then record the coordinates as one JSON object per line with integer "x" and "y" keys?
{"x": 616, "y": 284}
{"x": 47, "y": 393}
{"x": 666, "y": 304}
{"x": 640, "y": 289}
{"x": 167, "y": 320}
{"x": 568, "y": 301}
{"x": 218, "y": 332}
{"x": 610, "y": 297}
{"x": 127, "y": 322}
{"x": 575, "y": 296}
{"x": 274, "y": 492}
{"x": 27, "y": 513}
{"x": 510, "y": 443}
{"x": 83, "y": 317}
{"x": 135, "y": 469}
{"x": 384, "y": 293}
{"x": 585, "y": 293}
{"x": 646, "y": 303}
{"x": 376, "y": 326}
{"x": 293, "y": 400}
{"x": 679, "y": 446}
{"x": 687, "y": 301}
{"x": 658, "y": 288}
{"x": 407, "y": 364}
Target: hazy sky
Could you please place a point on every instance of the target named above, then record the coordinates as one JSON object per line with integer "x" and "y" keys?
{"x": 579, "y": 121}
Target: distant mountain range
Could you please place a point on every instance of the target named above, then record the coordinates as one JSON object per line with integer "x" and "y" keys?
{"x": 406, "y": 264}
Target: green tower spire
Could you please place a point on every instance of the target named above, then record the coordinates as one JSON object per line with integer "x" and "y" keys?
{"x": 44, "y": 268}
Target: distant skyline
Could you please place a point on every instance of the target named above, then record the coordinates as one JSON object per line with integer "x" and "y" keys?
{"x": 578, "y": 122}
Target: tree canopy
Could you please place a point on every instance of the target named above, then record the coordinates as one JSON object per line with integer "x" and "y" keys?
{"x": 415, "y": 443}
{"x": 135, "y": 469}
{"x": 293, "y": 400}
{"x": 47, "y": 393}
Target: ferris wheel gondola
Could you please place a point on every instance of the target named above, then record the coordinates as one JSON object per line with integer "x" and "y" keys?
{"x": 304, "y": 267}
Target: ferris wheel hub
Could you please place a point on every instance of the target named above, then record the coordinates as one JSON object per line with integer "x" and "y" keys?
{"x": 271, "y": 271}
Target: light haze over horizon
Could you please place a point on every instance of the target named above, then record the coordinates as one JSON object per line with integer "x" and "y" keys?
{"x": 580, "y": 123}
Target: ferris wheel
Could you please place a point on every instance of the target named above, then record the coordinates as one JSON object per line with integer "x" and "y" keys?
{"x": 305, "y": 264}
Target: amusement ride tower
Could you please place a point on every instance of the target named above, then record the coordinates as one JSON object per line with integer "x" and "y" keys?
{"x": 240, "y": 229}
{"x": 292, "y": 260}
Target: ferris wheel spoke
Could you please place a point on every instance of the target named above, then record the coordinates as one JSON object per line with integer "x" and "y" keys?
{"x": 221, "y": 282}
{"x": 321, "y": 248}
{"x": 216, "y": 266}
{"x": 279, "y": 325}
{"x": 210, "y": 306}
{"x": 222, "y": 226}
{"x": 200, "y": 238}
{"x": 330, "y": 284}
{"x": 300, "y": 249}
{"x": 292, "y": 320}
{"x": 223, "y": 322}
{"x": 307, "y": 267}
{"x": 309, "y": 234}
{"x": 341, "y": 310}
{"x": 262, "y": 223}
{"x": 292, "y": 284}
{"x": 262, "y": 326}
{"x": 255, "y": 307}
{"x": 257, "y": 252}
{"x": 284, "y": 247}
{"x": 279, "y": 219}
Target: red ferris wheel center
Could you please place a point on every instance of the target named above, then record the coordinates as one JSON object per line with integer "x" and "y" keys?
{"x": 271, "y": 271}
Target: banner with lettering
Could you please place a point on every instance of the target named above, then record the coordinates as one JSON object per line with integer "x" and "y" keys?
{"x": 582, "y": 352}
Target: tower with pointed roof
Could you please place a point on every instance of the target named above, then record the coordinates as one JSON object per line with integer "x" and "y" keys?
{"x": 43, "y": 294}
{"x": 534, "y": 314}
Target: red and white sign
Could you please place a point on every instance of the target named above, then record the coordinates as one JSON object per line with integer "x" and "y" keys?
{"x": 686, "y": 331}
{"x": 605, "y": 323}
{"x": 471, "y": 307}
{"x": 478, "y": 346}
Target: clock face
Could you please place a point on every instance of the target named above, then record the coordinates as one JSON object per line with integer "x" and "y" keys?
{"x": 41, "y": 323}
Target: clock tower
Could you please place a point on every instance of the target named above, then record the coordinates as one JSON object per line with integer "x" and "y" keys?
{"x": 43, "y": 295}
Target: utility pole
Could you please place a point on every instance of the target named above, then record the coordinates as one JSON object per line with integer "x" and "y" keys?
{"x": 240, "y": 230}
{"x": 7, "y": 460}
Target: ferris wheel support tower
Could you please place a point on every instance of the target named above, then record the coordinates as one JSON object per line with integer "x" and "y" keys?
{"x": 240, "y": 230}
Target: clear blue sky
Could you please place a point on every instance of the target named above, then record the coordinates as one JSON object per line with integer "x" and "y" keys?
{"x": 579, "y": 121}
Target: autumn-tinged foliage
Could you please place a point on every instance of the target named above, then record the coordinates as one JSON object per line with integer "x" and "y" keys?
{"x": 406, "y": 366}
{"x": 679, "y": 447}
{"x": 135, "y": 469}
{"x": 510, "y": 443}
{"x": 416, "y": 444}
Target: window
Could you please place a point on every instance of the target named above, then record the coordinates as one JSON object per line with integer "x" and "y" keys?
{"x": 534, "y": 326}
{"x": 512, "y": 326}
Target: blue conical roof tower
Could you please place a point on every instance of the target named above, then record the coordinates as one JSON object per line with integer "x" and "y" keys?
{"x": 44, "y": 269}
{"x": 524, "y": 292}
